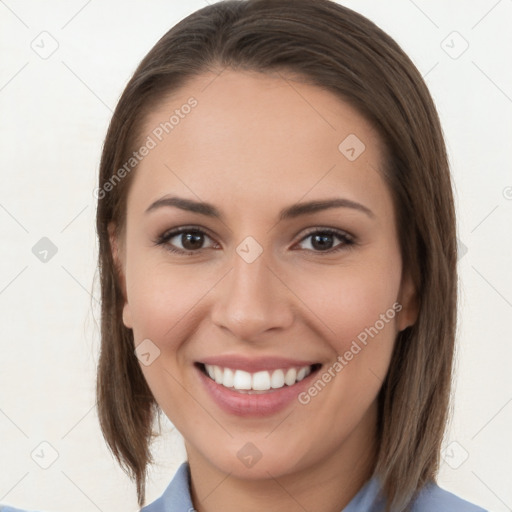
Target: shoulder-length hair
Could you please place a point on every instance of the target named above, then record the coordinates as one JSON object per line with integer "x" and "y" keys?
{"x": 335, "y": 48}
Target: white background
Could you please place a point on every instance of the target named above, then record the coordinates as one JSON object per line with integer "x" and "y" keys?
{"x": 54, "y": 114}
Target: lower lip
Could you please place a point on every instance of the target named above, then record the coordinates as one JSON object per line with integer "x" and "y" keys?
{"x": 260, "y": 404}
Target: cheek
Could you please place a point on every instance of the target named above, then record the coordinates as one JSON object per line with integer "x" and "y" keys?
{"x": 161, "y": 297}
{"x": 357, "y": 311}
{"x": 349, "y": 300}
{"x": 343, "y": 301}
{"x": 360, "y": 312}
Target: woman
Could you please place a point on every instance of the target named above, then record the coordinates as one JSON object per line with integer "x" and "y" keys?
{"x": 277, "y": 242}
{"x": 278, "y": 265}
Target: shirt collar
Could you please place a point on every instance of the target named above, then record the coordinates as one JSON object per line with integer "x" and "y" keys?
{"x": 177, "y": 495}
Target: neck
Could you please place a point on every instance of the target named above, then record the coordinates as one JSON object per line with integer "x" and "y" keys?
{"x": 327, "y": 486}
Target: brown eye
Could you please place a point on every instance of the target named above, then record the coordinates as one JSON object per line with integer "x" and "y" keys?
{"x": 185, "y": 240}
{"x": 324, "y": 241}
{"x": 192, "y": 240}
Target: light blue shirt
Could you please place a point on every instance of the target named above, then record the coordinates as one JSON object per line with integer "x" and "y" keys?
{"x": 176, "y": 498}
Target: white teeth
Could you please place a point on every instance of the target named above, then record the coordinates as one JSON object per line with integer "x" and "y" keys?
{"x": 301, "y": 374}
{"x": 218, "y": 374}
{"x": 277, "y": 380}
{"x": 258, "y": 381}
{"x": 242, "y": 380}
{"x": 229, "y": 378}
{"x": 261, "y": 381}
{"x": 290, "y": 377}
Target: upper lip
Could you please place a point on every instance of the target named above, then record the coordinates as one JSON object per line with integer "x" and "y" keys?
{"x": 255, "y": 364}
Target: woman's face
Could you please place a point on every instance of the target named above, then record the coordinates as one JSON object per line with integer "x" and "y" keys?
{"x": 291, "y": 271}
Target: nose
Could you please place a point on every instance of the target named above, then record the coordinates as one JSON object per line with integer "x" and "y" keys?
{"x": 251, "y": 300}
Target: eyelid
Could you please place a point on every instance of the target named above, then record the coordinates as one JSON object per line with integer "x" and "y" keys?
{"x": 185, "y": 229}
{"x": 326, "y": 229}
{"x": 346, "y": 238}
{"x": 168, "y": 234}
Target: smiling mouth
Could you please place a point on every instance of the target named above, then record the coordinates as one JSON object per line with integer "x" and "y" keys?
{"x": 257, "y": 382}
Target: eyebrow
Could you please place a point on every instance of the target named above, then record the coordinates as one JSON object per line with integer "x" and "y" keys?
{"x": 290, "y": 212}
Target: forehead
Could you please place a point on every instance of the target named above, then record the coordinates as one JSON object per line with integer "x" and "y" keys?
{"x": 255, "y": 137}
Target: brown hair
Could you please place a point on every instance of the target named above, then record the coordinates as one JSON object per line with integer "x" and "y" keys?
{"x": 343, "y": 52}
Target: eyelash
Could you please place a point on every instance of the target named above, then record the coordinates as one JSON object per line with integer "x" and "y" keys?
{"x": 346, "y": 239}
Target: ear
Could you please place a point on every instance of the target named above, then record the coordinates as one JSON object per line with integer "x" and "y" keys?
{"x": 117, "y": 256}
{"x": 408, "y": 299}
